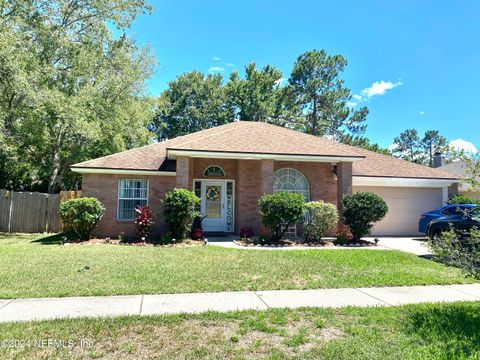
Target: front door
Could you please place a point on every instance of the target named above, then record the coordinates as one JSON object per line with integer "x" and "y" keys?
{"x": 213, "y": 205}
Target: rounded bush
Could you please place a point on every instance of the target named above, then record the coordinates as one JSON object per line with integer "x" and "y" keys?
{"x": 82, "y": 215}
{"x": 179, "y": 209}
{"x": 280, "y": 210}
{"x": 361, "y": 210}
{"x": 321, "y": 217}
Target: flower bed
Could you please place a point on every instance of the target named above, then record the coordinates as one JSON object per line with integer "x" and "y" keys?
{"x": 296, "y": 243}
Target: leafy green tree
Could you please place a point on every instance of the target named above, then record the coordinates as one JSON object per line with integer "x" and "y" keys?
{"x": 192, "y": 102}
{"x": 408, "y": 146}
{"x": 322, "y": 98}
{"x": 472, "y": 169}
{"x": 69, "y": 89}
{"x": 259, "y": 95}
{"x": 433, "y": 142}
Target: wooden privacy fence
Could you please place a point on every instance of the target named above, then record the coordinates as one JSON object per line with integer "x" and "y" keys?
{"x": 32, "y": 212}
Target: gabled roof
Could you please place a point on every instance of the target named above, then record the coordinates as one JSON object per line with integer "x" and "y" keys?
{"x": 248, "y": 137}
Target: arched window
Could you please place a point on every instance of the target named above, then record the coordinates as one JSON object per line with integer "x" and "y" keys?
{"x": 214, "y": 171}
{"x": 291, "y": 180}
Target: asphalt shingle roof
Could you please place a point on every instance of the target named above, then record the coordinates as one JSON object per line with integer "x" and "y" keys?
{"x": 262, "y": 138}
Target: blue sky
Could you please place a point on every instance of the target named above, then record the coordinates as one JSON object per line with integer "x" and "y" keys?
{"x": 415, "y": 64}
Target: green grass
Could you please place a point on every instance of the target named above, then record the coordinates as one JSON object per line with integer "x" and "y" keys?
{"x": 438, "y": 331}
{"x": 36, "y": 266}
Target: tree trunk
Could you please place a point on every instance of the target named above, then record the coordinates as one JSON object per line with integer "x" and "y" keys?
{"x": 314, "y": 116}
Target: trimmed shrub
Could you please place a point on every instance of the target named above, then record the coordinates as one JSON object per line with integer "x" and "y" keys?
{"x": 462, "y": 199}
{"x": 460, "y": 249}
{"x": 280, "y": 210}
{"x": 361, "y": 210}
{"x": 144, "y": 221}
{"x": 82, "y": 215}
{"x": 321, "y": 218}
{"x": 179, "y": 210}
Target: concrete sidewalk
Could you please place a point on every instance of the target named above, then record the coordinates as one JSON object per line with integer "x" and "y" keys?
{"x": 103, "y": 306}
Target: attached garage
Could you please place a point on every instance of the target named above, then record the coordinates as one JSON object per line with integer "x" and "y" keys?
{"x": 405, "y": 205}
{"x": 406, "y": 198}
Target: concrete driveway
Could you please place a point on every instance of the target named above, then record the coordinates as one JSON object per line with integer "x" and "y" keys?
{"x": 413, "y": 245}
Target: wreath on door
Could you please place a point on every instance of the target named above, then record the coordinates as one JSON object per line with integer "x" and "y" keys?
{"x": 213, "y": 193}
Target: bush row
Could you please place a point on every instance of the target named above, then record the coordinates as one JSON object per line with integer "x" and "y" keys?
{"x": 282, "y": 210}
{"x": 279, "y": 211}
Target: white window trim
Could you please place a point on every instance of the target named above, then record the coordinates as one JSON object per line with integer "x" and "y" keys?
{"x": 306, "y": 179}
{"x": 118, "y": 196}
{"x": 214, "y": 177}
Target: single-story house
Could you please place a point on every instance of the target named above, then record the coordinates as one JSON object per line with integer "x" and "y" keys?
{"x": 231, "y": 166}
{"x": 460, "y": 168}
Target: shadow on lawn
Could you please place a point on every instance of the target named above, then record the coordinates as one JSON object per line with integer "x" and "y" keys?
{"x": 56, "y": 239}
{"x": 456, "y": 326}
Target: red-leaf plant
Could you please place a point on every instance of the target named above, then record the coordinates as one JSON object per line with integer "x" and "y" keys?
{"x": 144, "y": 221}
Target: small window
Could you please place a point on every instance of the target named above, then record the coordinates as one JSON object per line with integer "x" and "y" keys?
{"x": 131, "y": 193}
{"x": 214, "y": 171}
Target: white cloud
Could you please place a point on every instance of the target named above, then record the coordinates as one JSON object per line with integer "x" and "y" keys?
{"x": 421, "y": 112}
{"x": 216, "y": 58}
{"x": 392, "y": 147}
{"x": 351, "y": 104}
{"x": 376, "y": 89}
{"x": 230, "y": 64}
{"x": 216, "y": 69}
{"x": 460, "y": 144}
{"x": 379, "y": 88}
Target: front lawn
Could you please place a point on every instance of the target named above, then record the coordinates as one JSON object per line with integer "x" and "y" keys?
{"x": 37, "y": 266}
{"x": 439, "y": 331}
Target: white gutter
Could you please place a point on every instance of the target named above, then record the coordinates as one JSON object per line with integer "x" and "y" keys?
{"x": 84, "y": 170}
{"x": 173, "y": 153}
{"x": 402, "y": 182}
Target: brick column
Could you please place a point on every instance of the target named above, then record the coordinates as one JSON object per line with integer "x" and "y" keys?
{"x": 266, "y": 174}
{"x": 344, "y": 186}
{"x": 183, "y": 172}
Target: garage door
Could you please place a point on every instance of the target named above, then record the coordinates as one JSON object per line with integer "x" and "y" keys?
{"x": 405, "y": 205}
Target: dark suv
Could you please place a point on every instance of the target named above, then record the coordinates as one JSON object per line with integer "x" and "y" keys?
{"x": 463, "y": 222}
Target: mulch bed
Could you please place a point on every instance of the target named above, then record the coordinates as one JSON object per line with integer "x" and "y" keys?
{"x": 292, "y": 243}
{"x": 180, "y": 244}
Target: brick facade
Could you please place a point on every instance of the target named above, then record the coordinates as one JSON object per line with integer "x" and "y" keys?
{"x": 105, "y": 189}
{"x": 253, "y": 178}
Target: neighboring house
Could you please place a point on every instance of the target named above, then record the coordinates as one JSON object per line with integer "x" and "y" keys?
{"x": 459, "y": 167}
{"x": 231, "y": 166}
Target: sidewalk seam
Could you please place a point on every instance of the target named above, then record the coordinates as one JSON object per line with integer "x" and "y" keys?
{"x": 461, "y": 291}
{"x": 141, "y": 305}
{"x": 8, "y": 303}
{"x": 263, "y": 301}
{"x": 373, "y": 297}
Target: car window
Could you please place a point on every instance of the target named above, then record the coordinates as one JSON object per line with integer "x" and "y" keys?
{"x": 457, "y": 210}
{"x": 475, "y": 213}
{"x": 448, "y": 211}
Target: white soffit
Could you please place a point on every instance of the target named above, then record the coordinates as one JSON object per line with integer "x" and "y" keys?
{"x": 401, "y": 182}
{"x": 122, "y": 172}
